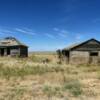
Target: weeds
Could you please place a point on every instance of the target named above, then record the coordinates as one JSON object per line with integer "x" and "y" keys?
{"x": 21, "y": 72}
{"x": 68, "y": 78}
{"x": 52, "y": 91}
{"x": 14, "y": 94}
{"x": 73, "y": 87}
{"x": 28, "y": 70}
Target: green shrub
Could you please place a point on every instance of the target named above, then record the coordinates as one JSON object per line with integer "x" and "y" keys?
{"x": 14, "y": 93}
{"x": 52, "y": 90}
{"x": 74, "y": 87}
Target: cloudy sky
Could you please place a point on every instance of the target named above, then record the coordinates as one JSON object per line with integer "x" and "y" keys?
{"x": 50, "y": 24}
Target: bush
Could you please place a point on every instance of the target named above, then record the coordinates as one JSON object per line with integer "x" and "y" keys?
{"x": 74, "y": 87}
{"x": 52, "y": 90}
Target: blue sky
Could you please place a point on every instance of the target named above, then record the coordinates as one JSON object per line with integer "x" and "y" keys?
{"x": 46, "y": 25}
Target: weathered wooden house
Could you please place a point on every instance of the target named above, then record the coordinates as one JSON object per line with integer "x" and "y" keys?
{"x": 85, "y": 52}
{"x": 10, "y": 46}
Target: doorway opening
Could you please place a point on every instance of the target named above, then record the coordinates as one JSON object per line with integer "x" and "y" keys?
{"x": 8, "y": 51}
{"x": 2, "y": 52}
{"x": 93, "y": 57}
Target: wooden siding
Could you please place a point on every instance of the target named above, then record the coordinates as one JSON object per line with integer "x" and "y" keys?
{"x": 14, "y": 52}
{"x": 19, "y": 51}
{"x": 83, "y": 57}
{"x": 23, "y": 51}
{"x": 85, "y": 53}
{"x": 79, "y": 57}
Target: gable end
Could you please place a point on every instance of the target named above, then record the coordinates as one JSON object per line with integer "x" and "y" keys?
{"x": 90, "y": 45}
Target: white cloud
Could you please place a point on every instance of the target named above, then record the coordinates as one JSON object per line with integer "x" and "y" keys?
{"x": 49, "y": 35}
{"x": 62, "y": 35}
{"x": 55, "y": 29}
{"x": 26, "y": 31}
{"x": 78, "y": 37}
{"x": 5, "y": 32}
{"x": 63, "y": 31}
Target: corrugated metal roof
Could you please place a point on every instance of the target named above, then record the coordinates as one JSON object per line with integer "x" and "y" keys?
{"x": 71, "y": 46}
{"x": 10, "y": 41}
{"x": 77, "y": 44}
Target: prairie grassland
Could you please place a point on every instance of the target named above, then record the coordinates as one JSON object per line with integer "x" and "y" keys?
{"x": 31, "y": 79}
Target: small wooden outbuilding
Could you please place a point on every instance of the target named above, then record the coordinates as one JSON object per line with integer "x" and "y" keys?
{"x": 10, "y": 46}
{"x": 85, "y": 52}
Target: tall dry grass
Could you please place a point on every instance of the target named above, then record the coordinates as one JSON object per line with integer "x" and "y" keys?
{"x": 31, "y": 79}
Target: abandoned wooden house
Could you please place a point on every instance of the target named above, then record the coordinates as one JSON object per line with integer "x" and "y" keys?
{"x": 87, "y": 52}
{"x": 10, "y": 46}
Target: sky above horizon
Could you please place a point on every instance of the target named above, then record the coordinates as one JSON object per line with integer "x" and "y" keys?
{"x": 46, "y": 25}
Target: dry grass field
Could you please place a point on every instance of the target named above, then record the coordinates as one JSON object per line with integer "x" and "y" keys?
{"x": 31, "y": 79}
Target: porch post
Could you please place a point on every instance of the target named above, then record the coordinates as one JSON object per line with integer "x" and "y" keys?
{"x": 0, "y": 52}
{"x": 5, "y": 51}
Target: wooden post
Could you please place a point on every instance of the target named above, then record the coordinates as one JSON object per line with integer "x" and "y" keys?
{"x": 0, "y": 52}
{"x": 5, "y": 52}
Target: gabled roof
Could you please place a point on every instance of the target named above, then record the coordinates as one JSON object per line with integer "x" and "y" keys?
{"x": 79, "y": 44}
{"x": 11, "y": 41}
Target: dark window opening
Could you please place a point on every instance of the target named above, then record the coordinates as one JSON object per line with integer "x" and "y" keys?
{"x": 8, "y": 51}
{"x": 65, "y": 53}
{"x": 2, "y": 52}
{"x": 94, "y": 54}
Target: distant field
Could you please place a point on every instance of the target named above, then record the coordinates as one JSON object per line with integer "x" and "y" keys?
{"x": 31, "y": 79}
{"x": 43, "y": 52}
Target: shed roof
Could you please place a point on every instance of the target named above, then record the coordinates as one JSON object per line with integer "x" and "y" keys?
{"x": 79, "y": 44}
{"x": 11, "y": 41}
